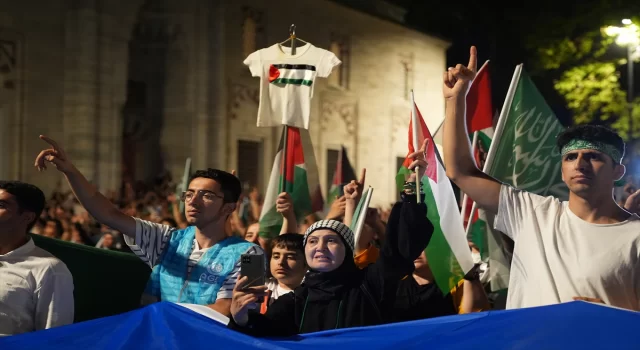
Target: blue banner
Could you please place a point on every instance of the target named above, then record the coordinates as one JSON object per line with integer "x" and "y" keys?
{"x": 575, "y": 325}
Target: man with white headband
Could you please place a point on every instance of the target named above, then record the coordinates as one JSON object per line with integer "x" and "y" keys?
{"x": 587, "y": 248}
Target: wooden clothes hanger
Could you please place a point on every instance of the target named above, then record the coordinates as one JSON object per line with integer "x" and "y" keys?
{"x": 292, "y": 38}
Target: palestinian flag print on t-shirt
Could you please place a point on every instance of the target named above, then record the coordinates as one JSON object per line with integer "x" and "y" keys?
{"x": 294, "y": 74}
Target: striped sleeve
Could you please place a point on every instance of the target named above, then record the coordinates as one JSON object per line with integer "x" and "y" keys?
{"x": 226, "y": 290}
{"x": 150, "y": 240}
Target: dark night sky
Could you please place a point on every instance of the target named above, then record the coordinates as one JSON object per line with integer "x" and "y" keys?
{"x": 501, "y": 32}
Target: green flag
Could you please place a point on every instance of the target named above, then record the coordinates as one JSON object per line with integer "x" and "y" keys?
{"x": 523, "y": 154}
{"x": 105, "y": 282}
{"x": 526, "y": 155}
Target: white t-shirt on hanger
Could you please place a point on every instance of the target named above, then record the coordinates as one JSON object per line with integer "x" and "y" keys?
{"x": 287, "y": 82}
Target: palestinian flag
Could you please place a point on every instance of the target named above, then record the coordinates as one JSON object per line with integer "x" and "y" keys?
{"x": 480, "y": 149}
{"x": 480, "y": 125}
{"x": 476, "y": 218}
{"x": 448, "y": 251}
{"x": 293, "y": 74}
{"x": 297, "y": 175}
{"x": 344, "y": 173}
{"x": 479, "y": 105}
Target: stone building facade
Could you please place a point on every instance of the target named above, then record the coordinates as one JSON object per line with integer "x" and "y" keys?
{"x": 134, "y": 87}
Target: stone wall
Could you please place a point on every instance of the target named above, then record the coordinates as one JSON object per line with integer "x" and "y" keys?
{"x": 74, "y": 59}
{"x": 371, "y": 116}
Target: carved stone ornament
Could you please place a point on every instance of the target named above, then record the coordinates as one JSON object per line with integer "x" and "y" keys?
{"x": 344, "y": 109}
{"x": 240, "y": 94}
{"x": 8, "y": 61}
{"x": 400, "y": 118}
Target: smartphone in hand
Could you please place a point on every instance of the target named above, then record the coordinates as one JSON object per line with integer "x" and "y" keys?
{"x": 253, "y": 266}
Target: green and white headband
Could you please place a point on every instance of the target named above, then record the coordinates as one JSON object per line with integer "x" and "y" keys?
{"x": 578, "y": 144}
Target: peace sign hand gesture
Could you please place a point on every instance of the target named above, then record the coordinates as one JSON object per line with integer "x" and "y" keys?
{"x": 457, "y": 80}
{"x": 55, "y": 155}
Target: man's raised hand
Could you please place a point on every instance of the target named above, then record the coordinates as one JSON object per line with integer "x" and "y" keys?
{"x": 284, "y": 204}
{"x": 458, "y": 79}
{"x": 632, "y": 204}
{"x": 55, "y": 155}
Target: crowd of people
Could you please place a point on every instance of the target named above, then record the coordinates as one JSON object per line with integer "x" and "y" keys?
{"x": 320, "y": 275}
{"x": 64, "y": 218}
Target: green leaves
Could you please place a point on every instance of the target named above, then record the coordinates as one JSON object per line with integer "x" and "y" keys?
{"x": 585, "y": 69}
{"x": 566, "y": 52}
{"x": 593, "y": 92}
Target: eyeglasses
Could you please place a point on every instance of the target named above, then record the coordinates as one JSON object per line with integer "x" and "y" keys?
{"x": 207, "y": 196}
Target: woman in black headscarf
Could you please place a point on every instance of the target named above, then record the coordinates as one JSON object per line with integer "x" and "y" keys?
{"x": 335, "y": 293}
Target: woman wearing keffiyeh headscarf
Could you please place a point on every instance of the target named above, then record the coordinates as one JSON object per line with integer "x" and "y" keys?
{"x": 335, "y": 293}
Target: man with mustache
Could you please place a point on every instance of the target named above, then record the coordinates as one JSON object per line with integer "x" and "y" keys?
{"x": 587, "y": 248}
{"x": 198, "y": 264}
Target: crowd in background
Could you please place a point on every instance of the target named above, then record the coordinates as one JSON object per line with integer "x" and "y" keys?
{"x": 66, "y": 219}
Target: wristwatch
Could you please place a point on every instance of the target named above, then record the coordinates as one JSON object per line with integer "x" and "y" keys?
{"x": 408, "y": 193}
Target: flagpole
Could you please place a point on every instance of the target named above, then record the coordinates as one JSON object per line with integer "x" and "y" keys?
{"x": 184, "y": 184}
{"x": 283, "y": 180}
{"x": 339, "y": 172}
{"x": 433, "y": 134}
{"x": 414, "y": 129}
{"x": 502, "y": 119}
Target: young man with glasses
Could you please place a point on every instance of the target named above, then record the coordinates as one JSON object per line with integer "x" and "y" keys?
{"x": 198, "y": 264}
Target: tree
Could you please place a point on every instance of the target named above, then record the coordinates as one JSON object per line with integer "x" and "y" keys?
{"x": 592, "y": 91}
{"x": 576, "y": 67}
{"x": 585, "y": 69}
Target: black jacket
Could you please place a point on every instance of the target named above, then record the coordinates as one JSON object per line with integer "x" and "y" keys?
{"x": 416, "y": 302}
{"x": 348, "y": 296}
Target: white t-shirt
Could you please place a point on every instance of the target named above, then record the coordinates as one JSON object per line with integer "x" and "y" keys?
{"x": 36, "y": 291}
{"x": 151, "y": 239}
{"x": 276, "y": 290}
{"x": 287, "y": 82}
{"x": 558, "y": 256}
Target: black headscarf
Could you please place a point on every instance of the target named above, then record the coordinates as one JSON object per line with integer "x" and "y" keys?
{"x": 325, "y": 293}
{"x": 330, "y": 285}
